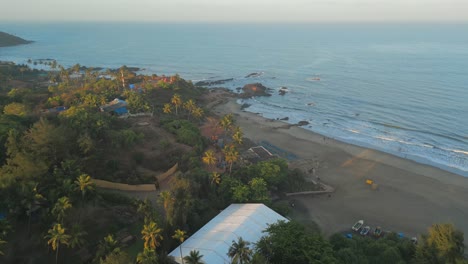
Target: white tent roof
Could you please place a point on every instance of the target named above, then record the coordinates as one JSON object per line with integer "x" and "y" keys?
{"x": 237, "y": 220}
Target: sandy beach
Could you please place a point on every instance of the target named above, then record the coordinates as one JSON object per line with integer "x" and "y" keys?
{"x": 409, "y": 198}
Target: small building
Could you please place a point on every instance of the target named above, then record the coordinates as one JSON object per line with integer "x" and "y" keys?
{"x": 54, "y": 110}
{"x": 215, "y": 238}
{"x": 116, "y": 106}
{"x": 257, "y": 154}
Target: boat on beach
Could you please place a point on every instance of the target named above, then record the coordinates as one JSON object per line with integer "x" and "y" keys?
{"x": 365, "y": 231}
{"x": 357, "y": 226}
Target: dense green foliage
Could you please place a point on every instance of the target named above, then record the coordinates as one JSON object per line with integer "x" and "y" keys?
{"x": 289, "y": 242}
{"x": 51, "y": 158}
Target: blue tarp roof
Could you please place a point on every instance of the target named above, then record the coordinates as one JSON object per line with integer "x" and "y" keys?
{"x": 121, "y": 110}
{"x": 2, "y": 215}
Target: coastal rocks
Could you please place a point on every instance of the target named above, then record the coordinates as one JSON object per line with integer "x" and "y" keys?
{"x": 211, "y": 83}
{"x": 283, "y": 90}
{"x": 254, "y": 74}
{"x": 244, "y": 106}
{"x": 254, "y": 89}
{"x": 302, "y": 123}
{"x": 284, "y": 119}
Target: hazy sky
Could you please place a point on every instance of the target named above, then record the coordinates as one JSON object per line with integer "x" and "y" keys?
{"x": 236, "y": 10}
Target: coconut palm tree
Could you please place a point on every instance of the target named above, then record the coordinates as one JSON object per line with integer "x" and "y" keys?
{"x": 209, "y": 158}
{"x": 106, "y": 246}
{"x": 190, "y": 106}
{"x": 148, "y": 256}
{"x": 230, "y": 155}
{"x": 77, "y": 236}
{"x": 167, "y": 109}
{"x": 226, "y": 123}
{"x": 152, "y": 235}
{"x": 167, "y": 201}
{"x": 194, "y": 257}
{"x": 176, "y": 101}
{"x": 60, "y": 208}
{"x": 180, "y": 235}
{"x": 84, "y": 184}
{"x": 216, "y": 178}
{"x": 198, "y": 113}
{"x": 145, "y": 208}
{"x": 2, "y": 242}
{"x": 239, "y": 252}
{"x": 237, "y": 136}
{"x": 57, "y": 236}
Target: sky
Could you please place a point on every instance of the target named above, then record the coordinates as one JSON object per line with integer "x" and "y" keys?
{"x": 236, "y": 10}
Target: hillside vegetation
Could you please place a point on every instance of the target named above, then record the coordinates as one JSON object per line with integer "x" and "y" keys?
{"x": 7, "y": 40}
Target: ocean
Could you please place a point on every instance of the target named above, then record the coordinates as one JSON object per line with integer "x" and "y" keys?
{"x": 398, "y": 88}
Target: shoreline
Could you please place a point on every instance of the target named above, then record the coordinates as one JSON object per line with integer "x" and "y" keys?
{"x": 410, "y": 196}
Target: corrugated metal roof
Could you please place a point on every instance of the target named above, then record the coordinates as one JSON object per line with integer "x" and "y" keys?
{"x": 237, "y": 220}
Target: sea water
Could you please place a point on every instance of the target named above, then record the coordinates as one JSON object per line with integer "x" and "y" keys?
{"x": 399, "y": 88}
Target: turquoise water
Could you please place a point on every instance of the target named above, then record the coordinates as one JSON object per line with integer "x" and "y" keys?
{"x": 402, "y": 89}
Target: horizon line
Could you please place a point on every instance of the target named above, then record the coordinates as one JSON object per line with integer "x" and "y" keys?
{"x": 247, "y": 22}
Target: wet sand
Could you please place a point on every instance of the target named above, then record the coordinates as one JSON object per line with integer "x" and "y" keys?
{"x": 409, "y": 196}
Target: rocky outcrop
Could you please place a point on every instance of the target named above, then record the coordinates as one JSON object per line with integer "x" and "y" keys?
{"x": 254, "y": 89}
{"x": 211, "y": 83}
{"x": 253, "y": 74}
{"x": 283, "y": 90}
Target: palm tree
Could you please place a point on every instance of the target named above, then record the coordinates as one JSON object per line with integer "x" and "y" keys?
{"x": 237, "y": 136}
{"x": 57, "y": 236}
{"x": 209, "y": 158}
{"x": 146, "y": 209}
{"x": 84, "y": 184}
{"x": 167, "y": 109}
{"x": 197, "y": 112}
{"x": 239, "y": 252}
{"x": 152, "y": 235}
{"x": 60, "y": 208}
{"x": 176, "y": 101}
{"x": 148, "y": 256}
{"x": 230, "y": 155}
{"x": 190, "y": 106}
{"x": 1, "y": 243}
{"x": 226, "y": 122}
{"x": 215, "y": 178}
{"x": 180, "y": 235}
{"x": 167, "y": 200}
{"x": 106, "y": 246}
{"x": 194, "y": 257}
{"x": 77, "y": 235}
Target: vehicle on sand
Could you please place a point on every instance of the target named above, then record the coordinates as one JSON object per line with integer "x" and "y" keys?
{"x": 358, "y": 225}
{"x": 365, "y": 231}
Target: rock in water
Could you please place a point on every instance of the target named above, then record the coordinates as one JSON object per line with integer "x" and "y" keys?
{"x": 254, "y": 89}
{"x": 253, "y": 74}
{"x": 210, "y": 83}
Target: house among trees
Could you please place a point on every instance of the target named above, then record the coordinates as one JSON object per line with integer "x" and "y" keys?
{"x": 214, "y": 239}
{"x": 257, "y": 154}
{"x": 54, "y": 110}
{"x": 116, "y": 106}
{"x": 166, "y": 79}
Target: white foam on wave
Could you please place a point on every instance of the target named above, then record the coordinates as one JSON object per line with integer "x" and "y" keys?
{"x": 395, "y": 141}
